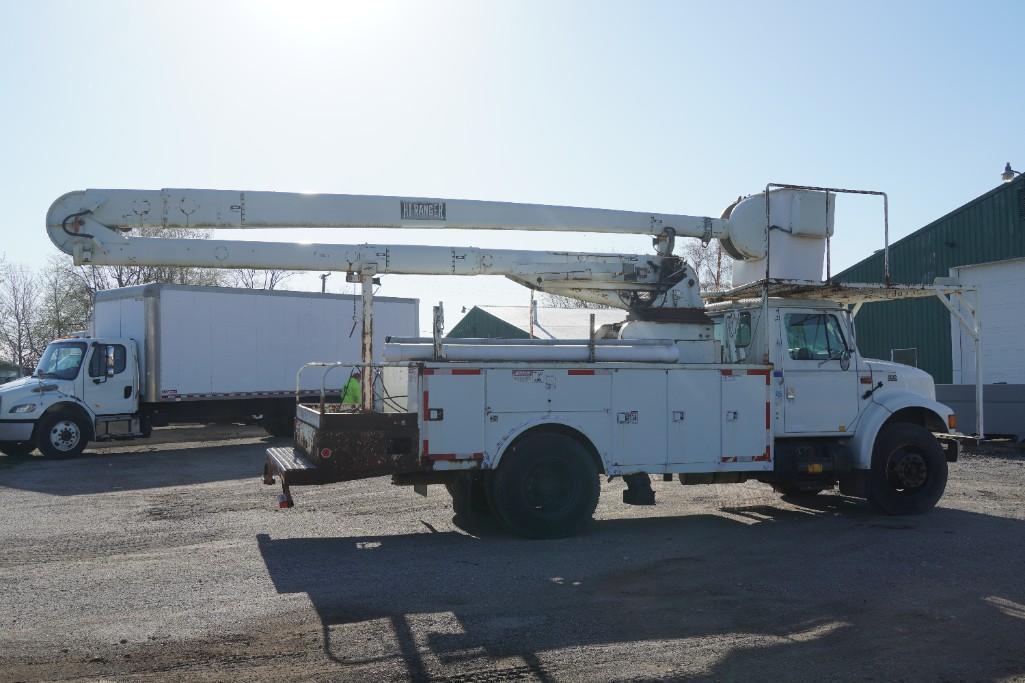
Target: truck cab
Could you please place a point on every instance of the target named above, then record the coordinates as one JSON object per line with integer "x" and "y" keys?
{"x": 83, "y": 389}
{"x": 830, "y": 404}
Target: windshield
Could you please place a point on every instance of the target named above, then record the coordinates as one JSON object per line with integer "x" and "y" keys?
{"x": 61, "y": 360}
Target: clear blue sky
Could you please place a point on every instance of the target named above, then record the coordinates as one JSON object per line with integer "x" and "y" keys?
{"x": 653, "y": 106}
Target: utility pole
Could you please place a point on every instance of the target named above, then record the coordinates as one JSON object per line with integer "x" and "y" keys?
{"x": 323, "y": 282}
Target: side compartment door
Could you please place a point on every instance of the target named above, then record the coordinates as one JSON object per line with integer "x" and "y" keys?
{"x": 746, "y": 417}
{"x": 452, "y": 407}
{"x": 695, "y": 416}
{"x": 639, "y": 418}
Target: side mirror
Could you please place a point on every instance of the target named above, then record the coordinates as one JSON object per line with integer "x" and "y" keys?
{"x": 845, "y": 360}
{"x": 110, "y": 361}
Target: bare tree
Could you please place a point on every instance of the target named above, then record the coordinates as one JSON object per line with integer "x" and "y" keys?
{"x": 713, "y": 266}
{"x": 64, "y": 305}
{"x": 19, "y": 296}
{"x": 252, "y": 278}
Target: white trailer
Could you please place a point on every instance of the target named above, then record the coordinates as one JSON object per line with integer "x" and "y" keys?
{"x": 159, "y": 353}
{"x": 765, "y": 383}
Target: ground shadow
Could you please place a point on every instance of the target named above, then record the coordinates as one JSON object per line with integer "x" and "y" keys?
{"x": 172, "y": 464}
{"x": 825, "y": 589}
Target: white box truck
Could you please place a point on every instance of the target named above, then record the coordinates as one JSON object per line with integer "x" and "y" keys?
{"x": 159, "y": 354}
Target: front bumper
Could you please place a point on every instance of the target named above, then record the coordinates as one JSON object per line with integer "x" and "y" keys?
{"x": 16, "y": 431}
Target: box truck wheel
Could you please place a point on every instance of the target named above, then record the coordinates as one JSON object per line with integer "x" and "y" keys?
{"x": 16, "y": 449}
{"x": 546, "y": 486}
{"x": 61, "y": 434}
{"x": 909, "y": 470}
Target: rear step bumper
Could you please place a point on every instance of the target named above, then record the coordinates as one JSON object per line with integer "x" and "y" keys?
{"x": 292, "y": 467}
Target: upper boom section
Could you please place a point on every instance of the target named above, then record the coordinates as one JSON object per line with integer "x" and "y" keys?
{"x": 169, "y": 208}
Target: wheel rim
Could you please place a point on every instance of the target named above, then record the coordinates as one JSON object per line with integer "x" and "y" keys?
{"x": 65, "y": 435}
{"x": 550, "y": 488}
{"x": 907, "y": 470}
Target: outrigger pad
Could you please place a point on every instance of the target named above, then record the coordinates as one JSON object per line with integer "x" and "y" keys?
{"x": 638, "y": 491}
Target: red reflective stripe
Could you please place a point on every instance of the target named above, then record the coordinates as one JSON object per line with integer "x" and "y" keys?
{"x": 465, "y": 371}
{"x": 768, "y": 415}
{"x": 427, "y": 414}
{"x": 425, "y": 448}
{"x": 758, "y": 372}
{"x": 580, "y": 372}
{"x": 726, "y": 373}
{"x": 428, "y": 371}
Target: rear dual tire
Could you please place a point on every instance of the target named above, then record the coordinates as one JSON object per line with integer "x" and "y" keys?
{"x": 546, "y": 486}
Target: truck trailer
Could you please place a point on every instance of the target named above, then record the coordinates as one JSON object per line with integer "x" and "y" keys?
{"x": 160, "y": 354}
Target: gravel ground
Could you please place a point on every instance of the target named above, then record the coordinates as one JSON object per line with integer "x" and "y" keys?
{"x": 169, "y": 561}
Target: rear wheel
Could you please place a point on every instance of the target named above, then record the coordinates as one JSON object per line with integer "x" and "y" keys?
{"x": 546, "y": 486}
{"x": 909, "y": 470}
{"x": 61, "y": 435}
{"x": 16, "y": 449}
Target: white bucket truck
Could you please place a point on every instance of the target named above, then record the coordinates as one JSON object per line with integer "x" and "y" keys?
{"x": 763, "y": 382}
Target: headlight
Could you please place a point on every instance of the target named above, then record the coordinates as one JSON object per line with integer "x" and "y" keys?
{"x": 24, "y": 408}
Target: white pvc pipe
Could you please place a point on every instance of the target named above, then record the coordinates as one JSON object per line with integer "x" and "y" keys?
{"x": 571, "y": 353}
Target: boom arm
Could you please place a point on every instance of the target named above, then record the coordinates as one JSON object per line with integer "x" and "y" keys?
{"x": 92, "y": 226}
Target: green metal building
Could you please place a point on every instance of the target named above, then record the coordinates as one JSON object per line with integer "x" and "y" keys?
{"x": 988, "y": 228}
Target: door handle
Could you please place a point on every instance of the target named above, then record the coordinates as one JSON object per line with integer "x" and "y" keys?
{"x": 791, "y": 394}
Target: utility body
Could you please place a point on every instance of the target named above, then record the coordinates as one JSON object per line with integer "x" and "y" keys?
{"x": 761, "y": 382}
{"x": 161, "y": 354}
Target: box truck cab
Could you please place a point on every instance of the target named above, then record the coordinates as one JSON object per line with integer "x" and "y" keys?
{"x": 83, "y": 389}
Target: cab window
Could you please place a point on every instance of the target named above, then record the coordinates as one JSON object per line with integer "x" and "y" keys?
{"x": 61, "y": 360}
{"x": 814, "y": 336}
{"x": 98, "y": 360}
{"x": 743, "y": 337}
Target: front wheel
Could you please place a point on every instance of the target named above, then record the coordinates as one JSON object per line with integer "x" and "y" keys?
{"x": 546, "y": 486}
{"x": 61, "y": 435}
{"x": 909, "y": 470}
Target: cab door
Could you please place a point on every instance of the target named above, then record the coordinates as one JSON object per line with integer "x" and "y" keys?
{"x": 110, "y": 381}
{"x": 820, "y": 386}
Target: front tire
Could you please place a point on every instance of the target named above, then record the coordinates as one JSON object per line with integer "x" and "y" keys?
{"x": 909, "y": 470}
{"x": 61, "y": 435}
{"x": 546, "y": 486}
